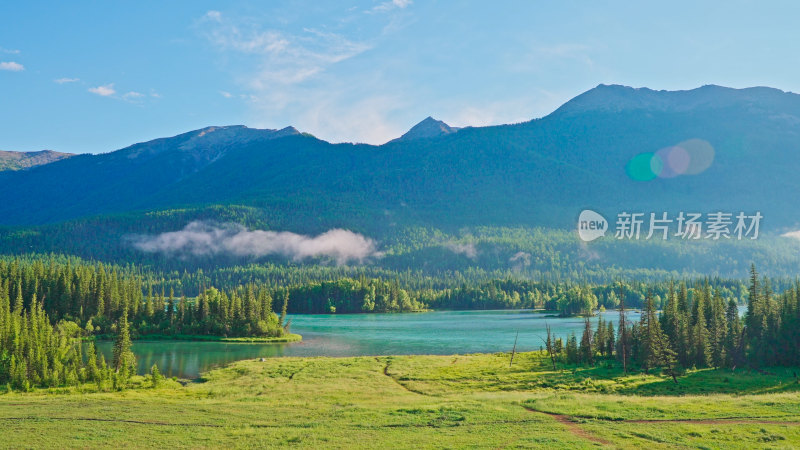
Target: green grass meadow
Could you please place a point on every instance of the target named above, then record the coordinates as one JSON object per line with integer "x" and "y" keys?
{"x": 456, "y": 401}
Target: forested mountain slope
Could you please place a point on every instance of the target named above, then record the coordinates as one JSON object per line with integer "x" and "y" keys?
{"x": 537, "y": 173}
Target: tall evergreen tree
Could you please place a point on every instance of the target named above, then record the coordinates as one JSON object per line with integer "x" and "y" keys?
{"x": 124, "y": 361}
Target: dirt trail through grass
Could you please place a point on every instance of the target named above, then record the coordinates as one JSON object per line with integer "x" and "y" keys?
{"x": 572, "y": 426}
{"x": 386, "y": 372}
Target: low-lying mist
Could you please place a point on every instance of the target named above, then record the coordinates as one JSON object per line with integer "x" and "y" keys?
{"x": 209, "y": 239}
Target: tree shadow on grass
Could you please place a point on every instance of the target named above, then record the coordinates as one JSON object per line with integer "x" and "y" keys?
{"x": 608, "y": 378}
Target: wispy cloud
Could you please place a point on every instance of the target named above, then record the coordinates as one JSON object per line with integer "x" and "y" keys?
{"x": 390, "y": 5}
{"x": 362, "y": 120}
{"x": 469, "y": 250}
{"x": 105, "y": 90}
{"x": 9, "y": 51}
{"x": 283, "y": 58}
{"x": 137, "y": 98}
{"x": 542, "y": 57}
{"x": 204, "y": 239}
{"x": 287, "y": 77}
{"x": 490, "y": 113}
{"x": 792, "y": 234}
{"x": 66, "y": 80}
{"x": 520, "y": 260}
{"x": 11, "y": 66}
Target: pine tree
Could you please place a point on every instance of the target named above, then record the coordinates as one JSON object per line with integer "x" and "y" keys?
{"x": 656, "y": 345}
{"x": 124, "y": 362}
{"x": 149, "y": 307}
{"x": 610, "y": 341}
{"x": 699, "y": 336}
{"x": 669, "y": 316}
{"x": 733, "y": 337}
{"x": 717, "y": 330}
{"x": 646, "y": 339}
{"x": 600, "y": 337}
{"x": 586, "y": 350}
{"x": 284, "y": 308}
{"x": 155, "y": 376}
{"x": 573, "y": 357}
{"x": 622, "y": 354}
{"x": 92, "y": 373}
{"x": 171, "y": 307}
{"x": 550, "y": 346}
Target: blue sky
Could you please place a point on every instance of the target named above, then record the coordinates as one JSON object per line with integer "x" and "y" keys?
{"x": 97, "y": 76}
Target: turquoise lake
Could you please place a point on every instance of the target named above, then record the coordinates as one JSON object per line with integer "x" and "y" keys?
{"x": 438, "y": 332}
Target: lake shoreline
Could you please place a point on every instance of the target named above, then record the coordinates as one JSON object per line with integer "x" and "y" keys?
{"x": 291, "y": 337}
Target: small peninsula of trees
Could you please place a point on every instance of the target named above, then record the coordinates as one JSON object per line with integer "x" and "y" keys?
{"x": 95, "y": 296}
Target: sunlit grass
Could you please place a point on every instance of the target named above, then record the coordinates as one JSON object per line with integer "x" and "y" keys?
{"x": 415, "y": 402}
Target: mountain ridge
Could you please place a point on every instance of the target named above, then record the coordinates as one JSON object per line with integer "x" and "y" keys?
{"x": 536, "y": 173}
{"x": 619, "y": 97}
{"x": 11, "y": 160}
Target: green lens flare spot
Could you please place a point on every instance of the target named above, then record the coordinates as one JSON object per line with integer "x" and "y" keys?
{"x": 644, "y": 167}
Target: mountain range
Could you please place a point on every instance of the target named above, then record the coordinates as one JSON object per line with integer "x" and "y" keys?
{"x": 25, "y": 160}
{"x": 537, "y": 173}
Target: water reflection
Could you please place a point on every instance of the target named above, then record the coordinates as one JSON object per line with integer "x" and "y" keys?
{"x": 440, "y": 332}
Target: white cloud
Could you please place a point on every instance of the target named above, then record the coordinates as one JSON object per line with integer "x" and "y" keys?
{"x": 133, "y": 97}
{"x": 546, "y": 57}
{"x": 365, "y": 120}
{"x": 11, "y": 66}
{"x": 66, "y": 80}
{"x": 205, "y": 239}
{"x": 225, "y": 94}
{"x": 390, "y": 5}
{"x": 305, "y": 77}
{"x": 281, "y": 58}
{"x": 9, "y": 51}
{"x": 106, "y": 90}
{"x": 467, "y": 250}
{"x": 792, "y": 234}
{"x": 490, "y": 113}
{"x": 532, "y": 104}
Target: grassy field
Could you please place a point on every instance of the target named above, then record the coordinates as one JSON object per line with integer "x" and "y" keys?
{"x": 417, "y": 402}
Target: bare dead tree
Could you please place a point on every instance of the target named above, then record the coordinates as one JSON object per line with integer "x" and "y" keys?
{"x": 514, "y": 350}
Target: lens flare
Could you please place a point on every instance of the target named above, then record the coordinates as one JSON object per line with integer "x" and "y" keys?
{"x": 644, "y": 167}
{"x": 701, "y": 155}
{"x": 689, "y": 157}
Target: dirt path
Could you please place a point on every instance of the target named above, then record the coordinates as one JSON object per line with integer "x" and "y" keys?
{"x": 576, "y": 430}
{"x": 572, "y": 427}
{"x": 386, "y": 372}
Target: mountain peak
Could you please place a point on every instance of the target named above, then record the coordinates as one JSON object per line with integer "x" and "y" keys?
{"x": 617, "y": 98}
{"x": 427, "y": 128}
{"x": 207, "y": 143}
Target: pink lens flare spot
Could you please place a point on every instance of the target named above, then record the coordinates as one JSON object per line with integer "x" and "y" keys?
{"x": 678, "y": 160}
{"x": 664, "y": 156}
